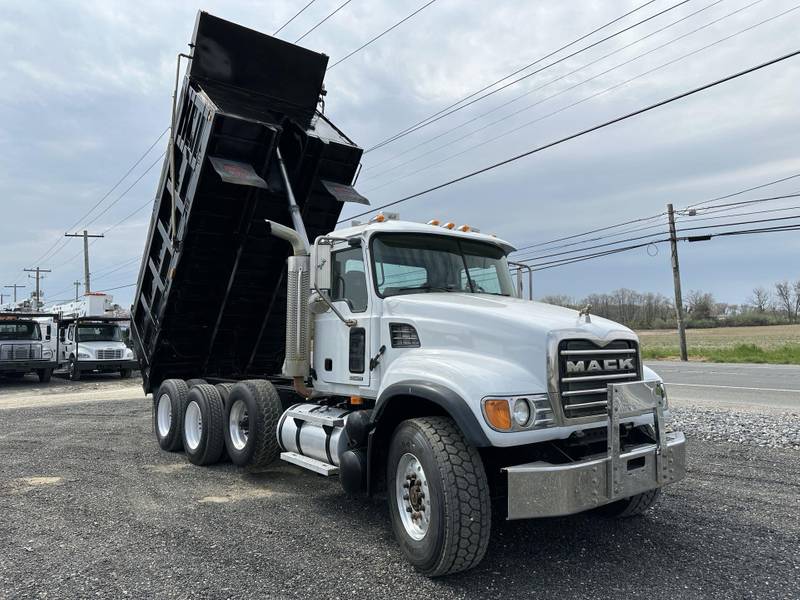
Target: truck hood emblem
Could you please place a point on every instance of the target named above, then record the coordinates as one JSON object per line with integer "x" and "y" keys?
{"x": 610, "y": 364}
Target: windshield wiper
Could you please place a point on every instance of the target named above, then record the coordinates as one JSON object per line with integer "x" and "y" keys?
{"x": 425, "y": 288}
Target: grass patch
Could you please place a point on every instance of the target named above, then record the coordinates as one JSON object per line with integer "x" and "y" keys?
{"x": 787, "y": 354}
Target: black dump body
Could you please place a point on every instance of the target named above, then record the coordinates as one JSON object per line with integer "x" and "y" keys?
{"x": 212, "y": 304}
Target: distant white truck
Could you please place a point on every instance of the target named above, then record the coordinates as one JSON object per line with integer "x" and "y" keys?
{"x": 91, "y": 339}
{"x": 28, "y": 344}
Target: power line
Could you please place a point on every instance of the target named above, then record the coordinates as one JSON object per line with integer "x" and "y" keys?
{"x": 558, "y": 263}
{"x": 297, "y": 14}
{"x": 583, "y": 132}
{"x": 735, "y": 205}
{"x": 527, "y": 93}
{"x": 100, "y": 201}
{"x": 457, "y": 106}
{"x": 341, "y": 6}
{"x": 128, "y": 189}
{"x": 647, "y": 219}
{"x": 641, "y": 237}
{"x": 380, "y": 35}
{"x": 585, "y": 99}
{"x": 740, "y": 192}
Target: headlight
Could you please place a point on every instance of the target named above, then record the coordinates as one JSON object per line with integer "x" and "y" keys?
{"x": 518, "y": 413}
{"x": 522, "y": 411}
{"x": 83, "y": 355}
{"x": 128, "y": 353}
{"x": 47, "y": 353}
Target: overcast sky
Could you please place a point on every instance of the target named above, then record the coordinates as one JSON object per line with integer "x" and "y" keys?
{"x": 85, "y": 88}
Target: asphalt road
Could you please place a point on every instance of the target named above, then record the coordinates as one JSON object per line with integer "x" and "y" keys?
{"x": 90, "y": 507}
{"x": 731, "y": 385}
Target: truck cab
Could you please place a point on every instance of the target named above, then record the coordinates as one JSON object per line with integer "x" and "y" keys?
{"x": 94, "y": 344}
{"x": 28, "y": 344}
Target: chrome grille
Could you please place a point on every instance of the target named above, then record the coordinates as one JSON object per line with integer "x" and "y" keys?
{"x": 108, "y": 354}
{"x": 585, "y": 369}
{"x": 20, "y": 352}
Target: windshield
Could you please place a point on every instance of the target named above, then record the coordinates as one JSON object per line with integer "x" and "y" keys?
{"x": 19, "y": 330}
{"x": 419, "y": 263}
{"x": 100, "y": 332}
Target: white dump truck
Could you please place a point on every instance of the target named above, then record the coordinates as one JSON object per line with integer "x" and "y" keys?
{"x": 28, "y": 344}
{"x": 397, "y": 356}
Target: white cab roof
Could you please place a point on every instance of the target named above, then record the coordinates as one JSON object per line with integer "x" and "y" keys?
{"x": 366, "y": 230}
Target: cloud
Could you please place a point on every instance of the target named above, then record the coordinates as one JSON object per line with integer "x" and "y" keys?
{"x": 85, "y": 87}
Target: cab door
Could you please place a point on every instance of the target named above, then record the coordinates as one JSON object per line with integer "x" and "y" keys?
{"x": 341, "y": 353}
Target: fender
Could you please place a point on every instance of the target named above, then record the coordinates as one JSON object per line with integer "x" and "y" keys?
{"x": 451, "y": 402}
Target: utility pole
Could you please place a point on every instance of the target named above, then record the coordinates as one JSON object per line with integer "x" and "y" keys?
{"x": 3, "y": 298}
{"x": 676, "y": 278}
{"x": 77, "y": 284}
{"x": 37, "y": 307}
{"x": 85, "y": 235}
{"x": 15, "y": 286}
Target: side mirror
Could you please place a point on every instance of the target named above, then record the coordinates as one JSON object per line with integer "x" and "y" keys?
{"x": 321, "y": 273}
{"x": 63, "y": 336}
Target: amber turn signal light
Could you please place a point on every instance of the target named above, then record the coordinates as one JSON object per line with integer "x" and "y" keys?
{"x": 497, "y": 413}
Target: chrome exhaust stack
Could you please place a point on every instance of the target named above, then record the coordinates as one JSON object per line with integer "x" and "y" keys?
{"x": 297, "y": 361}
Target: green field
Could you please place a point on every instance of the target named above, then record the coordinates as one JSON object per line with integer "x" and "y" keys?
{"x": 778, "y": 344}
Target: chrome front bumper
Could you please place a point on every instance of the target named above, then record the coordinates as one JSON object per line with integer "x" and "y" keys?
{"x": 542, "y": 489}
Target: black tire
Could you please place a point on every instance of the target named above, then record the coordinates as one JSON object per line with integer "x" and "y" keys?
{"x": 73, "y": 370}
{"x": 630, "y": 507}
{"x": 190, "y": 383}
{"x": 209, "y": 443}
{"x": 263, "y": 410}
{"x": 224, "y": 390}
{"x": 457, "y": 535}
{"x": 125, "y": 373}
{"x": 15, "y": 376}
{"x": 176, "y": 391}
{"x": 44, "y": 375}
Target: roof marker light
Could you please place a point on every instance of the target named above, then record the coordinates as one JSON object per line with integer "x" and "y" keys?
{"x": 434, "y": 222}
{"x": 380, "y": 218}
{"x": 465, "y": 228}
{"x": 449, "y": 225}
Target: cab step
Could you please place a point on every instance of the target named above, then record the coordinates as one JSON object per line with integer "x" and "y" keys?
{"x": 312, "y": 464}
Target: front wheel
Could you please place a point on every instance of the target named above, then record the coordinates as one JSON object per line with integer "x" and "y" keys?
{"x": 125, "y": 373}
{"x": 44, "y": 375}
{"x": 438, "y": 496}
{"x": 74, "y": 370}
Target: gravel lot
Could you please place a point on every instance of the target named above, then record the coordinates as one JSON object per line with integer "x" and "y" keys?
{"x": 90, "y": 507}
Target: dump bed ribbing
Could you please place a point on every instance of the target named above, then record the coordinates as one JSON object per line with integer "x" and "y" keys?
{"x": 212, "y": 301}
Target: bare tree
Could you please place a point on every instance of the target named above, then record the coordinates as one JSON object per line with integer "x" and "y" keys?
{"x": 761, "y": 299}
{"x": 700, "y": 304}
{"x": 787, "y": 297}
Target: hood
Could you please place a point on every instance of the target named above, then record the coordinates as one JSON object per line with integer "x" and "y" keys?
{"x": 478, "y": 310}
{"x": 511, "y": 329}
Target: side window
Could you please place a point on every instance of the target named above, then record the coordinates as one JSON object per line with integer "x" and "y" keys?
{"x": 349, "y": 278}
{"x": 69, "y": 332}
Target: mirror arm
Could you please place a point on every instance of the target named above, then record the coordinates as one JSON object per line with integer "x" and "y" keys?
{"x": 348, "y": 322}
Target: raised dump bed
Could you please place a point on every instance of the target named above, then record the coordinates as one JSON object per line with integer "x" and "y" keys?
{"x": 211, "y": 298}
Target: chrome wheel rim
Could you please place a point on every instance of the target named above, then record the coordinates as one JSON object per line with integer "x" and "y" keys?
{"x": 239, "y": 425}
{"x": 164, "y": 415}
{"x": 193, "y": 425}
{"x": 413, "y": 497}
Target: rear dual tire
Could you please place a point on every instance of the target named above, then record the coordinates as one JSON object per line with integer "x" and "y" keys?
{"x": 203, "y": 424}
{"x": 169, "y": 405}
{"x": 252, "y": 411}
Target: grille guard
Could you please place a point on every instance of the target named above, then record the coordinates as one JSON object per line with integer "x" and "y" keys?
{"x": 542, "y": 489}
